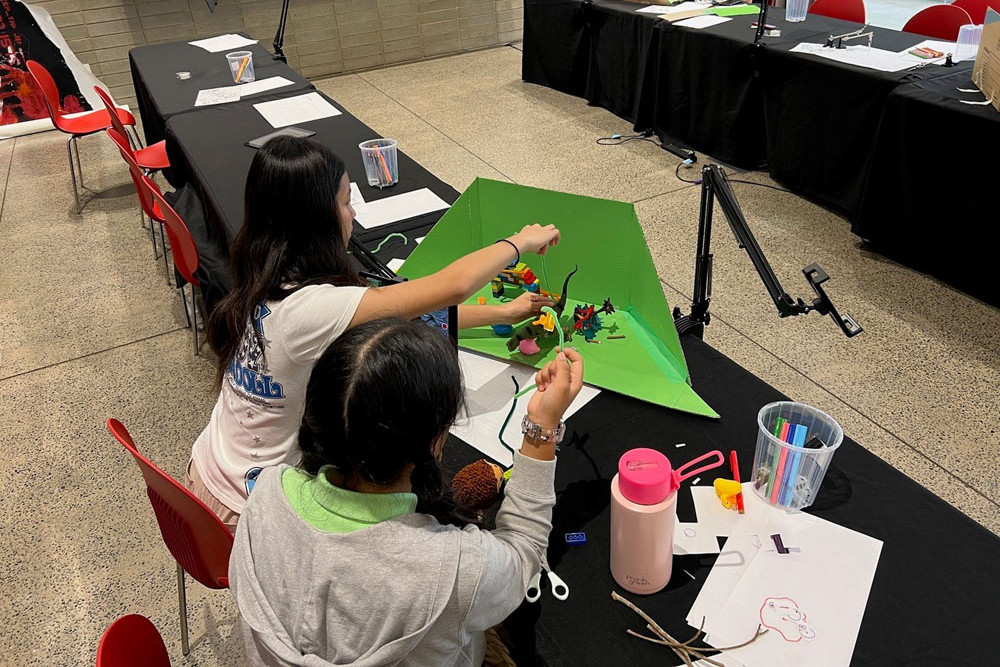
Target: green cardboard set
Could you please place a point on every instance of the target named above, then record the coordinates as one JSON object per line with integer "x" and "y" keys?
{"x": 604, "y": 239}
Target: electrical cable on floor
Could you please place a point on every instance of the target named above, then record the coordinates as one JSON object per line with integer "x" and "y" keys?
{"x": 619, "y": 139}
{"x": 677, "y": 173}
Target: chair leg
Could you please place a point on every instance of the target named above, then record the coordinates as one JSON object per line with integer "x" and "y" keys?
{"x": 138, "y": 139}
{"x": 152, "y": 233}
{"x": 182, "y": 603}
{"x": 187, "y": 313}
{"x": 76, "y": 146}
{"x": 72, "y": 171}
{"x": 163, "y": 244}
{"x": 194, "y": 317}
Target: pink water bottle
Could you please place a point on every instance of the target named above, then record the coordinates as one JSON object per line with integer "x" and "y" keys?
{"x": 643, "y": 507}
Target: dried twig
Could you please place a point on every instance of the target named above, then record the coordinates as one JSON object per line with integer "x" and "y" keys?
{"x": 684, "y": 650}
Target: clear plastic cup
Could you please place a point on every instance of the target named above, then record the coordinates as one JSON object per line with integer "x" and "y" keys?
{"x": 788, "y": 476}
{"x": 796, "y": 10}
{"x": 967, "y": 47}
{"x": 379, "y": 156}
{"x": 241, "y": 65}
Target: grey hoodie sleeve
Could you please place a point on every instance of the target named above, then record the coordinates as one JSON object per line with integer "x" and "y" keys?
{"x": 512, "y": 553}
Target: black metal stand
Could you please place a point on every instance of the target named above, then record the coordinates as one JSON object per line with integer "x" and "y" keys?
{"x": 279, "y": 36}
{"x": 761, "y": 22}
{"x": 714, "y": 185}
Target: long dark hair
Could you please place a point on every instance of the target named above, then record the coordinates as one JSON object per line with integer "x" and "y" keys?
{"x": 291, "y": 237}
{"x": 379, "y": 398}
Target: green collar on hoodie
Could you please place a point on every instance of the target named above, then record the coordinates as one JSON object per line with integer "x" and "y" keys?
{"x": 334, "y": 510}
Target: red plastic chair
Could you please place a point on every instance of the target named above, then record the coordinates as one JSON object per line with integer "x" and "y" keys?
{"x": 846, "y": 10}
{"x": 79, "y": 125}
{"x": 132, "y": 641}
{"x": 148, "y": 207}
{"x": 150, "y": 158}
{"x": 976, "y": 9}
{"x": 938, "y": 21}
{"x": 196, "y": 538}
{"x": 184, "y": 250}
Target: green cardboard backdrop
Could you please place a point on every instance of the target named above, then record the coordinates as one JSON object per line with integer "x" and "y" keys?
{"x": 604, "y": 238}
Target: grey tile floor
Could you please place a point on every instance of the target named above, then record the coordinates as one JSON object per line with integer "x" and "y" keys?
{"x": 89, "y": 329}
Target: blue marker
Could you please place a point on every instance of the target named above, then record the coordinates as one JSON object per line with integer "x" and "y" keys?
{"x": 798, "y": 440}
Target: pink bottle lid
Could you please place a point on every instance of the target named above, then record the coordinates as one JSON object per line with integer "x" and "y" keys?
{"x": 645, "y": 476}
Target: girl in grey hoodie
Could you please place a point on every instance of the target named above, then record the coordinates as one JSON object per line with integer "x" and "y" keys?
{"x": 357, "y": 557}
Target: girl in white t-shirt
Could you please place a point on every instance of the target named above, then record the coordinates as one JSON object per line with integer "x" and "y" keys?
{"x": 294, "y": 292}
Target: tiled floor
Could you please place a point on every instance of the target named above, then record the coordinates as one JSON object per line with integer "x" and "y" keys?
{"x": 90, "y": 329}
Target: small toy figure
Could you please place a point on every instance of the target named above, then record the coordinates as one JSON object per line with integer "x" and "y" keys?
{"x": 727, "y": 490}
{"x": 587, "y": 321}
{"x": 524, "y": 338}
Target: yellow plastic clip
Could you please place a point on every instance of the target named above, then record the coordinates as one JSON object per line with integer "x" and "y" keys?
{"x": 727, "y": 490}
{"x": 547, "y": 321}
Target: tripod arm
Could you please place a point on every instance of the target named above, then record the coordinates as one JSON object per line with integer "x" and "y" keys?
{"x": 715, "y": 185}
{"x": 279, "y": 36}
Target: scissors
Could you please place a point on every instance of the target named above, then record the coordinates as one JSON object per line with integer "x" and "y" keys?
{"x": 560, "y": 590}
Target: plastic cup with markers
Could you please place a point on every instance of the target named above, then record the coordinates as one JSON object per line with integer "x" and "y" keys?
{"x": 381, "y": 166}
{"x": 795, "y": 444}
{"x": 241, "y": 66}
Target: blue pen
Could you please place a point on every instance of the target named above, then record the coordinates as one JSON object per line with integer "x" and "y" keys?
{"x": 798, "y": 440}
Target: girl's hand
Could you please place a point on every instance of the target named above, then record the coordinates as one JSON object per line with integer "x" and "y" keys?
{"x": 558, "y": 384}
{"x": 527, "y": 305}
{"x": 535, "y": 238}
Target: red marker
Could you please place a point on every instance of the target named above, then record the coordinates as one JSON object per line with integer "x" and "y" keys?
{"x": 735, "y": 465}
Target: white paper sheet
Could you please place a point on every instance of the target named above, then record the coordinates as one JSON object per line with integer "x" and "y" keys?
{"x": 676, "y": 9}
{"x": 221, "y": 95}
{"x": 228, "y": 42}
{"x": 255, "y": 87}
{"x": 488, "y": 405}
{"x": 398, "y": 207}
{"x": 298, "y": 109}
{"x": 357, "y": 199}
{"x": 862, "y": 56}
{"x": 706, "y": 21}
{"x": 692, "y": 538}
{"x": 419, "y": 240}
{"x": 478, "y": 369}
{"x": 394, "y": 264}
{"x": 651, "y": 9}
{"x": 812, "y": 601}
{"x": 937, "y": 45}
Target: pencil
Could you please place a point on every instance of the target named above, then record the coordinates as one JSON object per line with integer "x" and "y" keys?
{"x": 243, "y": 66}
{"x": 735, "y": 465}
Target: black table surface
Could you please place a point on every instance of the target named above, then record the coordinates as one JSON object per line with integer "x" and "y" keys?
{"x": 160, "y": 94}
{"x": 927, "y": 202}
{"x": 933, "y": 600}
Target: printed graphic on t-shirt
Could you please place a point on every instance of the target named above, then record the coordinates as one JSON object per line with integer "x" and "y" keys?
{"x": 248, "y": 370}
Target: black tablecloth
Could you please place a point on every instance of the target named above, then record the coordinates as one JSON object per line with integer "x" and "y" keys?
{"x": 160, "y": 94}
{"x": 933, "y": 601}
{"x": 822, "y": 116}
{"x": 928, "y": 201}
{"x": 556, "y": 47}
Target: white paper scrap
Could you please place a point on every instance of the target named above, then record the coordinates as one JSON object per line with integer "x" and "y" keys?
{"x": 223, "y": 43}
{"x": 255, "y": 87}
{"x": 298, "y": 109}
{"x": 394, "y": 264}
{"x": 217, "y": 96}
{"x": 398, "y": 207}
{"x": 862, "y": 56}
{"x": 488, "y": 406}
{"x": 706, "y": 21}
{"x": 419, "y": 240}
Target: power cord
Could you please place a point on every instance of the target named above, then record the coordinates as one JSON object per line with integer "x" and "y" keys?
{"x": 697, "y": 181}
{"x": 619, "y": 139}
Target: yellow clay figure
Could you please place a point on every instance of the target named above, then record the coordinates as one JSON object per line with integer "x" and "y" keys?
{"x": 727, "y": 490}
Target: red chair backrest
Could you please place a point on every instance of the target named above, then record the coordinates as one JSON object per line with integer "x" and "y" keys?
{"x": 195, "y": 536}
{"x": 142, "y": 189}
{"x": 976, "y": 9}
{"x": 116, "y": 121}
{"x": 132, "y": 641}
{"x": 50, "y": 92}
{"x": 938, "y": 21}
{"x": 181, "y": 242}
{"x": 846, "y": 10}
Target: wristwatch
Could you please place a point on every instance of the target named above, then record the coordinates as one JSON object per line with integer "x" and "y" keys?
{"x": 535, "y": 431}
